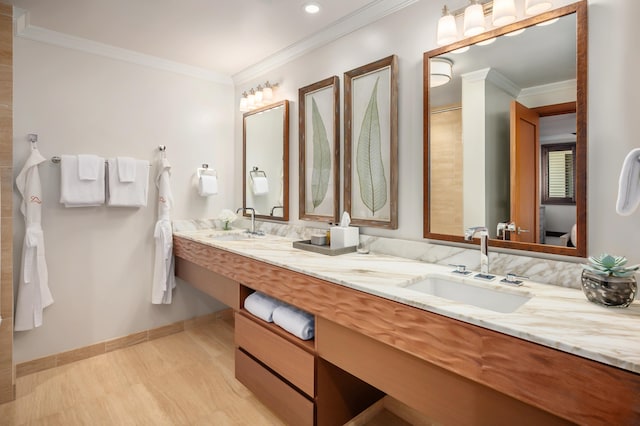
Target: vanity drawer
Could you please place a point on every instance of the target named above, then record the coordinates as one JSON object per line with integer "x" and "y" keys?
{"x": 284, "y": 357}
{"x": 289, "y": 404}
{"x": 218, "y": 286}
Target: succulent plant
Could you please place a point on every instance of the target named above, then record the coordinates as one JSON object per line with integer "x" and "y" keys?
{"x": 609, "y": 265}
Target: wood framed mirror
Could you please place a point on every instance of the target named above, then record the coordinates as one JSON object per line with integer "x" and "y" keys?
{"x": 265, "y": 165}
{"x": 485, "y": 128}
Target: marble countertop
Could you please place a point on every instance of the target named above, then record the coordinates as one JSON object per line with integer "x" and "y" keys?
{"x": 556, "y": 317}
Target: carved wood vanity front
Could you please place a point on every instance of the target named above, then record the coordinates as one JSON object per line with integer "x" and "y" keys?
{"x": 452, "y": 371}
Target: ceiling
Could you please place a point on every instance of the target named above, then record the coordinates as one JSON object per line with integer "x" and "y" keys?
{"x": 223, "y": 36}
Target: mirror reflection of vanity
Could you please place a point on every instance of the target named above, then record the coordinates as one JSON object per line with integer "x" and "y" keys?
{"x": 266, "y": 161}
{"x": 505, "y": 138}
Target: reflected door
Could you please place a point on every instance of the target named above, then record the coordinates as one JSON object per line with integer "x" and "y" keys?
{"x": 524, "y": 146}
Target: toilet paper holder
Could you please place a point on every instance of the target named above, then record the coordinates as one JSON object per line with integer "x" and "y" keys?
{"x": 205, "y": 170}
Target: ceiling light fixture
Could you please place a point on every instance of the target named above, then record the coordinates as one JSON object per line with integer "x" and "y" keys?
{"x": 504, "y": 12}
{"x": 473, "y": 19}
{"x": 311, "y": 8}
{"x": 440, "y": 72}
{"x": 447, "y": 31}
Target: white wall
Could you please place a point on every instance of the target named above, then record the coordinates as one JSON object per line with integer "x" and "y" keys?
{"x": 100, "y": 259}
{"x": 614, "y": 99}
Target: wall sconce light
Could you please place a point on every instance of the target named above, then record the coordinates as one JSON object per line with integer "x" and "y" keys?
{"x": 447, "y": 31}
{"x": 440, "y": 72}
{"x": 257, "y": 97}
{"x": 533, "y": 7}
{"x": 473, "y": 19}
{"x": 244, "y": 102}
{"x": 502, "y": 12}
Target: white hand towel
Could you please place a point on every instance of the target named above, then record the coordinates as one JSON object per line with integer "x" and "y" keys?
{"x": 261, "y": 305}
{"x": 80, "y": 193}
{"x": 297, "y": 322}
{"x": 127, "y": 169}
{"x": 89, "y": 166}
{"x": 207, "y": 185}
{"x": 629, "y": 184}
{"x": 260, "y": 185}
{"x": 128, "y": 194}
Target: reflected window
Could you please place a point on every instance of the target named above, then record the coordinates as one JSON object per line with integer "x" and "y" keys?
{"x": 558, "y": 166}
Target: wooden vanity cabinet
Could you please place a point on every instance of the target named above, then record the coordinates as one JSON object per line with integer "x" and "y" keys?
{"x": 445, "y": 368}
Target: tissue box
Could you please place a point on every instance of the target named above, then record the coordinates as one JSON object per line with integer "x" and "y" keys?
{"x": 344, "y": 236}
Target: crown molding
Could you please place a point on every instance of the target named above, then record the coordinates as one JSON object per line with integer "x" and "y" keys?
{"x": 25, "y": 30}
{"x": 348, "y": 24}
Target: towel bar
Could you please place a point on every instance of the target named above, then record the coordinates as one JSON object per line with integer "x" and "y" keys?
{"x": 56, "y": 160}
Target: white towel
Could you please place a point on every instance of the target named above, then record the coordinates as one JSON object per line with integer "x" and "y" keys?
{"x": 207, "y": 185}
{"x": 629, "y": 184}
{"x": 261, "y": 305}
{"x": 297, "y": 322}
{"x": 128, "y": 194}
{"x": 260, "y": 185}
{"x": 127, "y": 169}
{"x": 80, "y": 193}
{"x": 89, "y": 166}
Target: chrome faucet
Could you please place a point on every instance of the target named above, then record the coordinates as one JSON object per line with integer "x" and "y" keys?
{"x": 484, "y": 245}
{"x": 253, "y": 217}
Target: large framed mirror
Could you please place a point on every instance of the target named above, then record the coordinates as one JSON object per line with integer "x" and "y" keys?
{"x": 511, "y": 91}
{"x": 265, "y": 166}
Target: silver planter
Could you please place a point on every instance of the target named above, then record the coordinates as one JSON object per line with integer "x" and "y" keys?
{"x": 608, "y": 290}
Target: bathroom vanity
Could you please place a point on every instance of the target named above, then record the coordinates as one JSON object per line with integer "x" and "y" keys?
{"x": 557, "y": 359}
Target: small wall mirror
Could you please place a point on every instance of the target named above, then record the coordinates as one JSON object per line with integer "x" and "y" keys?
{"x": 505, "y": 135}
{"x": 265, "y": 165}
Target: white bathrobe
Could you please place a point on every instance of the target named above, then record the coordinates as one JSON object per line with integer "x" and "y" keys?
{"x": 33, "y": 291}
{"x": 164, "y": 280}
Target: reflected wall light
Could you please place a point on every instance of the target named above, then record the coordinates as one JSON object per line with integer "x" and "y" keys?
{"x": 440, "y": 71}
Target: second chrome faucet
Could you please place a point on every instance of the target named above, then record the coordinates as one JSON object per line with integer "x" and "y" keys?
{"x": 482, "y": 231}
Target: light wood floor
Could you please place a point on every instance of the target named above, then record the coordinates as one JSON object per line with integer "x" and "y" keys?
{"x": 182, "y": 379}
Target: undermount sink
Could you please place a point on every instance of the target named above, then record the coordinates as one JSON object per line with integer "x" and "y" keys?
{"x": 493, "y": 299}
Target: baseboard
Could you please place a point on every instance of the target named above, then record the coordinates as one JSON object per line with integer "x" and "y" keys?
{"x": 56, "y": 360}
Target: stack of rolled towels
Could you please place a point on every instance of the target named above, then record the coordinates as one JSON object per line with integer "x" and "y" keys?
{"x": 296, "y": 321}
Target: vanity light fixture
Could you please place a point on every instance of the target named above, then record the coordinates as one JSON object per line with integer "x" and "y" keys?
{"x": 257, "y": 97}
{"x": 504, "y": 12}
{"x": 447, "y": 31}
{"x": 533, "y": 7}
{"x": 440, "y": 71}
{"x": 473, "y": 19}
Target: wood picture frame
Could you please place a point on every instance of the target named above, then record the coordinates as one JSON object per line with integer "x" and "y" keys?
{"x": 371, "y": 144}
{"x": 319, "y": 150}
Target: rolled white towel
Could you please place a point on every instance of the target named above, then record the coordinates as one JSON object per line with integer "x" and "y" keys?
{"x": 629, "y": 184}
{"x": 297, "y": 322}
{"x": 261, "y": 305}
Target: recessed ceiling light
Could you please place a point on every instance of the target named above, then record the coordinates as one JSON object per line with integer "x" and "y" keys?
{"x": 311, "y": 8}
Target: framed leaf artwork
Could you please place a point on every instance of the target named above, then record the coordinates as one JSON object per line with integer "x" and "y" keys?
{"x": 371, "y": 144}
{"x": 319, "y": 130}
